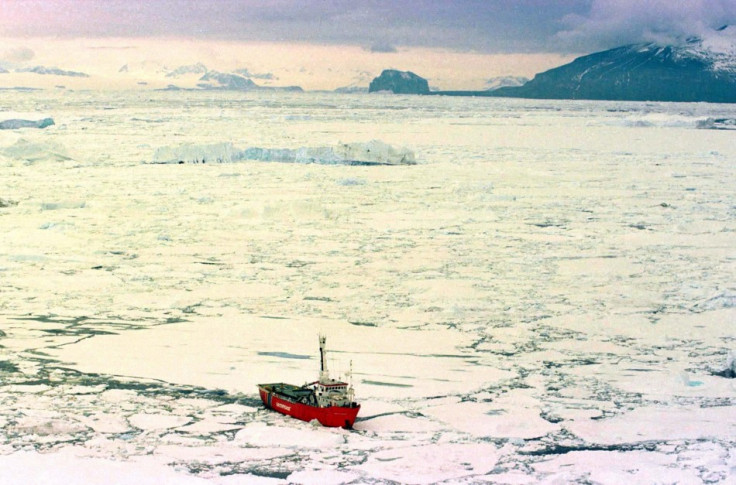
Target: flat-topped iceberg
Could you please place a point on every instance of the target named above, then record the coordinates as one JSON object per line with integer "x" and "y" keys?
{"x": 374, "y": 152}
{"x": 213, "y": 153}
{"x": 31, "y": 151}
{"x": 377, "y": 151}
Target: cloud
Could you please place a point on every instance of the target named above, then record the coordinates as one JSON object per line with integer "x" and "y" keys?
{"x": 383, "y": 47}
{"x": 19, "y": 54}
{"x": 614, "y": 23}
{"x": 491, "y": 26}
{"x": 478, "y": 25}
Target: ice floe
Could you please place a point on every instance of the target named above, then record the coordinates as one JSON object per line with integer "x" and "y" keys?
{"x": 64, "y": 467}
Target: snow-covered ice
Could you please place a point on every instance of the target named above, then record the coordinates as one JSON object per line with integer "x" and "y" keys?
{"x": 546, "y": 296}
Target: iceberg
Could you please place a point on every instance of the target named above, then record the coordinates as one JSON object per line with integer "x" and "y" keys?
{"x": 15, "y": 124}
{"x": 717, "y": 124}
{"x": 731, "y": 363}
{"x": 323, "y": 155}
{"x": 374, "y": 152}
{"x": 214, "y": 153}
{"x": 73, "y": 204}
{"x": 724, "y": 299}
{"x": 31, "y": 151}
{"x": 729, "y": 372}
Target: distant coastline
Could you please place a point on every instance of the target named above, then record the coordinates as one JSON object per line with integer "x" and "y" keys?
{"x": 692, "y": 71}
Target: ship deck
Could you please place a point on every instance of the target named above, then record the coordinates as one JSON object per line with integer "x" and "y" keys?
{"x": 290, "y": 391}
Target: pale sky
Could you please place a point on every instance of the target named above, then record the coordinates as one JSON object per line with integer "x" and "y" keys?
{"x": 324, "y": 44}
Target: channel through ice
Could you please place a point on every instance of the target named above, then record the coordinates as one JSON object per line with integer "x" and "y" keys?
{"x": 529, "y": 292}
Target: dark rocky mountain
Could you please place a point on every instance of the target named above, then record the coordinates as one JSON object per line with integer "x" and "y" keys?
{"x": 641, "y": 72}
{"x": 399, "y": 82}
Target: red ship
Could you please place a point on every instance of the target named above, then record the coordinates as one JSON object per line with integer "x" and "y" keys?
{"x": 329, "y": 401}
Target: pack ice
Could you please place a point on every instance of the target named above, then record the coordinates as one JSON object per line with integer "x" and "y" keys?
{"x": 548, "y": 297}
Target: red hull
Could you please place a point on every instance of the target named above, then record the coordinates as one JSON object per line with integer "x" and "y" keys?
{"x": 332, "y": 416}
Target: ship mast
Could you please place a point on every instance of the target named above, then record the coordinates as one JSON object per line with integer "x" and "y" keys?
{"x": 324, "y": 374}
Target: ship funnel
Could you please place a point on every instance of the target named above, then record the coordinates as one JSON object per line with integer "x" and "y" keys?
{"x": 324, "y": 374}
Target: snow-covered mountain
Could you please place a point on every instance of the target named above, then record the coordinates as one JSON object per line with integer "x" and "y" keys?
{"x": 505, "y": 81}
{"x": 197, "y": 68}
{"x": 198, "y": 76}
{"x": 221, "y": 80}
{"x": 52, "y": 71}
{"x": 696, "y": 69}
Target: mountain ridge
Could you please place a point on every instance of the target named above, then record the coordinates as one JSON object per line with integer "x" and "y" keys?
{"x": 637, "y": 72}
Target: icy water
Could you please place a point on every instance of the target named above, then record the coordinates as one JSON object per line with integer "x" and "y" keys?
{"x": 547, "y": 296}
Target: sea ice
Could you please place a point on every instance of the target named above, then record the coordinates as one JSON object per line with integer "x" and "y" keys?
{"x": 63, "y": 468}
{"x": 521, "y": 307}
{"x": 490, "y": 420}
{"x": 257, "y": 434}
{"x": 657, "y": 423}
{"x": 431, "y": 463}
{"x": 106, "y": 423}
{"x": 148, "y": 421}
{"x": 620, "y": 467}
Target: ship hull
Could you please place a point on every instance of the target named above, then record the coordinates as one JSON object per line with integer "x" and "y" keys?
{"x": 331, "y": 416}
